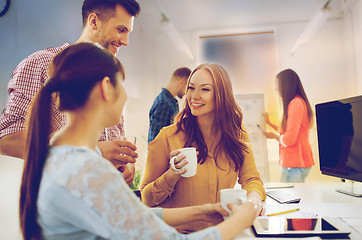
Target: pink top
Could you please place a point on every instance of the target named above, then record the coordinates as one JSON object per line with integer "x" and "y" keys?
{"x": 294, "y": 148}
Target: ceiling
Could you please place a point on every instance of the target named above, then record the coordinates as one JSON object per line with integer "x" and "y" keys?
{"x": 198, "y": 14}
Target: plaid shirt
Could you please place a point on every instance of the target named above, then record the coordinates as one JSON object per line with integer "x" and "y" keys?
{"x": 163, "y": 110}
{"x": 28, "y": 77}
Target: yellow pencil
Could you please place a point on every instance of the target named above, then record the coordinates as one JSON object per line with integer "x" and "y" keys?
{"x": 278, "y": 213}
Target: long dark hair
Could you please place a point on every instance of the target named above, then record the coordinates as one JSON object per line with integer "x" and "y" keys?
{"x": 73, "y": 74}
{"x": 228, "y": 120}
{"x": 289, "y": 85}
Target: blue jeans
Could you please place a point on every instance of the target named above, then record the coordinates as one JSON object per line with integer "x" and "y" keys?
{"x": 294, "y": 174}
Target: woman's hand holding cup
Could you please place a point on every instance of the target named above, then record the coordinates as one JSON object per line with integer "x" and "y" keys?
{"x": 248, "y": 210}
{"x": 127, "y": 151}
{"x": 184, "y": 162}
{"x": 118, "y": 151}
{"x": 179, "y": 162}
{"x": 127, "y": 156}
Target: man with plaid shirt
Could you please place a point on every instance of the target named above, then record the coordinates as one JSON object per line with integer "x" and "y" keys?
{"x": 107, "y": 23}
{"x": 165, "y": 107}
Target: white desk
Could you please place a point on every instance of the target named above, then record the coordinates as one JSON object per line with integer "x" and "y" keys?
{"x": 320, "y": 193}
{"x": 321, "y": 199}
{"x": 10, "y": 178}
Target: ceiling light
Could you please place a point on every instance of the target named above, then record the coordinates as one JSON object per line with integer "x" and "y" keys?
{"x": 313, "y": 26}
{"x": 174, "y": 34}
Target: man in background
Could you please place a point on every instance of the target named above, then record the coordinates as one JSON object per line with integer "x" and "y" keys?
{"x": 165, "y": 107}
{"x": 108, "y": 23}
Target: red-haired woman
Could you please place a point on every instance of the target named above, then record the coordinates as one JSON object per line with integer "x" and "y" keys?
{"x": 212, "y": 123}
{"x": 295, "y": 152}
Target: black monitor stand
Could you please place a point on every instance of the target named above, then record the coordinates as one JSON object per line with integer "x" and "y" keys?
{"x": 355, "y": 191}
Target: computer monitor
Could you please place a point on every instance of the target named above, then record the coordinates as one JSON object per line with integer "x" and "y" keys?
{"x": 339, "y": 130}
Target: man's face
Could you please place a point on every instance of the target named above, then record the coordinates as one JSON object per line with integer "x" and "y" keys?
{"x": 114, "y": 33}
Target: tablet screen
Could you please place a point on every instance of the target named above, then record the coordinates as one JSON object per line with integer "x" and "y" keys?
{"x": 273, "y": 226}
{"x": 301, "y": 224}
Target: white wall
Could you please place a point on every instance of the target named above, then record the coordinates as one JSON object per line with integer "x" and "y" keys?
{"x": 33, "y": 25}
{"x": 355, "y": 38}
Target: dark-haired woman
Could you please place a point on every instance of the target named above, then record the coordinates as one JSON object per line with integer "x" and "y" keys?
{"x": 212, "y": 123}
{"x": 68, "y": 190}
{"x": 295, "y": 152}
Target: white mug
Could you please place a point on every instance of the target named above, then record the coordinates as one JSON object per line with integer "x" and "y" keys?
{"x": 232, "y": 196}
{"x": 190, "y": 156}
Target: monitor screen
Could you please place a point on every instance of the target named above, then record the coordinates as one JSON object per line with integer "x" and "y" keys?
{"x": 339, "y": 130}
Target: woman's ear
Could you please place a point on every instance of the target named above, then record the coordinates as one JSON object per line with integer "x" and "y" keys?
{"x": 106, "y": 89}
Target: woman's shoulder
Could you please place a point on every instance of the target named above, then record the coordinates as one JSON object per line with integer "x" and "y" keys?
{"x": 66, "y": 151}
{"x": 297, "y": 101}
{"x": 169, "y": 130}
{"x": 68, "y": 160}
{"x": 171, "y": 137}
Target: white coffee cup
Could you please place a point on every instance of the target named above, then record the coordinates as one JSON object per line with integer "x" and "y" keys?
{"x": 232, "y": 196}
{"x": 190, "y": 156}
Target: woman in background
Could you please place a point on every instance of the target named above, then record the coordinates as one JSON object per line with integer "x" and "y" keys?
{"x": 212, "y": 123}
{"x": 295, "y": 153}
{"x": 68, "y": 190}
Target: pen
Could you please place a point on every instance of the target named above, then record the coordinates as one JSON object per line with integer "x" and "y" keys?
{"x": 288, "y": 211}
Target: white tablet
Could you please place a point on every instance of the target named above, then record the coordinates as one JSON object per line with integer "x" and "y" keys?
{"x": 300, "y": 227}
